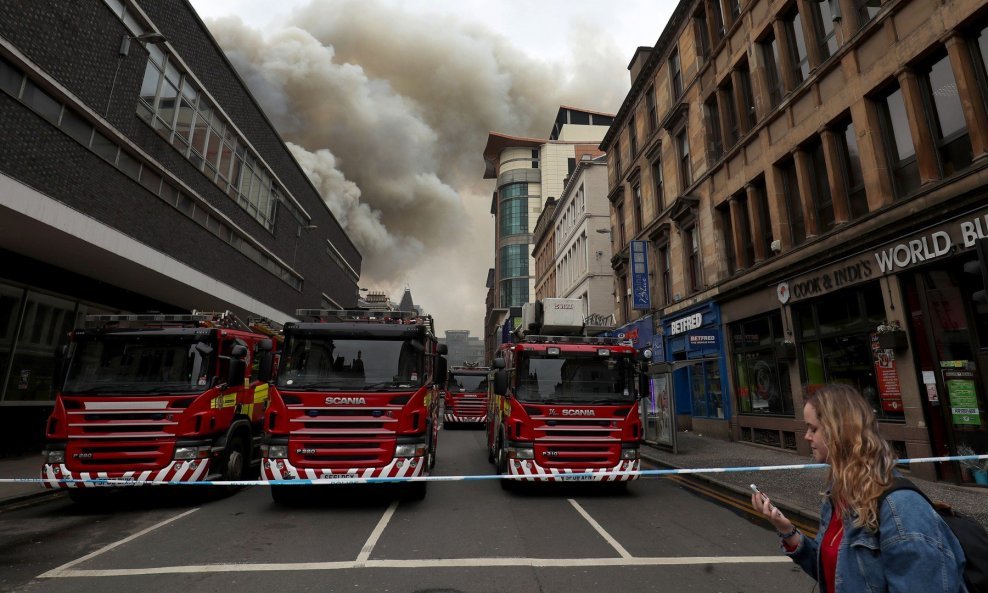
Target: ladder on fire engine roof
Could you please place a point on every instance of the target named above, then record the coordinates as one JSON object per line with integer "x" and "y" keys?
{"x": 265, "y": 326}
{"x": 364, "y": 315}
{"x": 224, "y": 319}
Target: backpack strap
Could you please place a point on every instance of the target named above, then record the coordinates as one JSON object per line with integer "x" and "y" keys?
{"x": 900, "y": 483}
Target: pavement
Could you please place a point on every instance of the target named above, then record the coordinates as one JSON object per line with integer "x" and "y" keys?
{"x": 796, "y": 491}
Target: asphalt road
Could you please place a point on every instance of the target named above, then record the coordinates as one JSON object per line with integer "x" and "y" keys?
{"x": 468, "y": 536}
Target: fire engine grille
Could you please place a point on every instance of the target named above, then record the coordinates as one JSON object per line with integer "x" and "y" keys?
{"x": 577, "y": 455}
{"x": 342, "y": 437}
{"x": 137, "y": 456}
{"x": 468, "y": 407}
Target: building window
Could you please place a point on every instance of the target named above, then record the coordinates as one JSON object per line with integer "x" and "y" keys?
{"x": 714, "y": 133}
{"x": 794, "y": 205}
{"x": 773, "y": 78}
{"x": 694, "y": 270}
{"x": 731, "y": 125}
{"x": 513, "y": 209}
{"x": 798, "y": 57}
{"x": 717, "y": 16}
{"x": 727, "y": 232}
{"x": 748, "y": 113}
{"x": 823, "y": 201}
{"x": 664, "y": 263}
{"x": 657, "y": 185}
{"x": 702, "y": 36}
{"x": 653, "y": 118}
{"x": 867, "y": 9}
{"x": 624, "y": 297}
{"x": 763, "y": 223}
{"x": 898, "y": 143}
{"x": 850, "y": 163}
{"x": 685, "y": 168}
{"x": 823, "y": 25}
{"x": 980, "y": 51}
{"x": 514, "y": 266}
{"x": 622, "y": 236}
{"x": 535, "y": 158}
{"x": 747, "y": 233}
{"x": 514, "y": 293}
{"x": 834, "y": 335}
{"x": 946, "y": 116}
{"x": 762, "y": 377}
{"x": 735, "y": 7}
{"x": 617, "y": 159}
{"x": 675, "y": 75}
{"x": 639, "y": 221}
{"x": 632, "y": 136}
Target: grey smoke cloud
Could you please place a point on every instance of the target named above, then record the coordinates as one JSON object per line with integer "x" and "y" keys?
{"x": 388, "y": 113}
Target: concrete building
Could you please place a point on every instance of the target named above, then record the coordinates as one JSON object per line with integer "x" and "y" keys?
{"x": 463, "y": 348}
{"x": 811, "y": 180}
{"x": 138, "y": 173}
{"x": 527, "y": 171}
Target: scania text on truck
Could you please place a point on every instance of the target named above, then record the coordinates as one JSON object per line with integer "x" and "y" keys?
{"x": 466, "y": 395}
{"x": 564, "y": 405}
{"x": 157, "y": 398}
{"x": 356, "y": 396}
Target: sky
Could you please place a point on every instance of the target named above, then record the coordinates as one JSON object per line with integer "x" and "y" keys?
{"x": 387, "y": 105}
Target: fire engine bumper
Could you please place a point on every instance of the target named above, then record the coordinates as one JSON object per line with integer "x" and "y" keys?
{"x": 57, "y": 475}
{"x": 530, "y": 470}
{"x": 464, "y": 419}
{"x": 402, "y": 467}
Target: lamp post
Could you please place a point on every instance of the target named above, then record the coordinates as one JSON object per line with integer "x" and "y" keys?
{"x": 298, "y": 235}
{"x": 153, "y": 37}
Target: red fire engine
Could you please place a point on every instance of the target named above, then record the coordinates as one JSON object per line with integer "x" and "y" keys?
{"x": 466, "y": 395}
{"x": 356, "y": 396}
{"x": 157, "y": 398}
{"x": 564, "y": 406}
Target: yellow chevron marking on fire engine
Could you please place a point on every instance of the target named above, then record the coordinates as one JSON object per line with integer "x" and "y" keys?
{"x": 261, "y": 394}
{"x": 247, "y": 410}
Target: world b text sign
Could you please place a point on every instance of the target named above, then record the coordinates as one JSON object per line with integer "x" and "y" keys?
{"x": 640, "y": 294}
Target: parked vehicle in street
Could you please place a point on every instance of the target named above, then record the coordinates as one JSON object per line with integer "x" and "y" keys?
{"x": 157, "y": 398}
{"x": 564, "y": 405}
{"x": 466, "y": 396}
{"x": 356, "y": 396}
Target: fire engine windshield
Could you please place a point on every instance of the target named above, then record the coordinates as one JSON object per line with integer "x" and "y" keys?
{"x": 131, "y": 364}
{"x": 584, "y": 379}
{"x": 334, "y": 364}
{"x": 466, "y": 383}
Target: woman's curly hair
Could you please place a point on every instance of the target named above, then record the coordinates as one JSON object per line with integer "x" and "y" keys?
{"x": 861, "y": 461}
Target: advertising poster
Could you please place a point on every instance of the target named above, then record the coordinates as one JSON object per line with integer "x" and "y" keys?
{"x": 889, "y": 392}
{"x": 660, "y": 416}
{"x": 963, "y": 397}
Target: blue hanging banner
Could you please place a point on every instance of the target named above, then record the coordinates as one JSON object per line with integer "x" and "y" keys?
{"x": 641, "y": 298}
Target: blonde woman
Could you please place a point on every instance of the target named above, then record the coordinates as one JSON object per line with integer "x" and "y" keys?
{"x": 902, "y": 547}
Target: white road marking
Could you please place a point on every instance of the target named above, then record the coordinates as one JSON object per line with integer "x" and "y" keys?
{"x": 365, "y": 552}
{"x": 614, "y": 543}
{"x": 65, "y": 568}
{"x": 425, "y": 563}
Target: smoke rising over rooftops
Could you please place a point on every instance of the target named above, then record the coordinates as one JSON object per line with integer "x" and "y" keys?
{"x": 388, "y": 112}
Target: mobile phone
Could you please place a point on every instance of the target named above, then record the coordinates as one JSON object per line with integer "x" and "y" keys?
{"x": 755, "y": 489}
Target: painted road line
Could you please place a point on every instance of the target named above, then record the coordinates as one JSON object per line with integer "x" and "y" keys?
{"x": 424, "y": 563}
{"x": 67, "y": 567}
{"x": 614, "y": 543}
{"x": 365, "y": 552}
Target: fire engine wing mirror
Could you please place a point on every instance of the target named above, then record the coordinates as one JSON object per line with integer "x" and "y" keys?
{"x": 498, "y": 363}
{"x": 265, "y": 345}
{"x": 443, "y": 350}
{"x": 441, "y": 371}
{"x": 239, "y": 351}
{"x": 266, "y": 369}
{"x": 500, "y": 381}
{"x": 238, "y": 371}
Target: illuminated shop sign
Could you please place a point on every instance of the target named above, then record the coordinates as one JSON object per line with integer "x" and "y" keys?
{"x": 957, "y": 235}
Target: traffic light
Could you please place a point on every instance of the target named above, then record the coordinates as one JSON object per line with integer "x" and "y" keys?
{"x": 980, "y": 266}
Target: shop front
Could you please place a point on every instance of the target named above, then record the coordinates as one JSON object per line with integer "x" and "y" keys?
{"x": 692, "y": 344}
{"x": 901, "y": 324}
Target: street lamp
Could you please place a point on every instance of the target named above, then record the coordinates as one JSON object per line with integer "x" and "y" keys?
{"x": 153, "y": 37}
{"x": 298, "y": 235}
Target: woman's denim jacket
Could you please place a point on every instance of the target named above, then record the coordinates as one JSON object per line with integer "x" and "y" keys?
{"x": 913, "y": 552}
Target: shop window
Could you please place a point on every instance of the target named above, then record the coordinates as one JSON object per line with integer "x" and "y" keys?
{"x": 898, "y": 142}
{"x": 708, "y": 395}
{"x": 44, "y": 325}
{"x": 760, "y": 366}
{"x": 835, "y": 336}
{"x": 943, "y": 103}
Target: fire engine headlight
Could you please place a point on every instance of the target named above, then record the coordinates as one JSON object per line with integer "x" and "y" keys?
{"x": 190, "y": 453}
{"x": 53, "y": 456}
{"x": 410, "y": 450}
{"x": 629, "y": 453}
{"x": 274, "y": 451}
{"x": 522, "y": 452}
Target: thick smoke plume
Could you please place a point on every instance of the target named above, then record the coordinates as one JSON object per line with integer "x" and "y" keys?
{"x": 389, "y": 112}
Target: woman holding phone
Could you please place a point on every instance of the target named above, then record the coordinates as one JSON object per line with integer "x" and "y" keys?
{"x": 903, "y": 546}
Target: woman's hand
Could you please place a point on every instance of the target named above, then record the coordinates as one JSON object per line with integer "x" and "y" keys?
{"x": 763, "y": 505}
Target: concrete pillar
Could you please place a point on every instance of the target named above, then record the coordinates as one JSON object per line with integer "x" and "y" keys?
{"x": 785, "y": 60}
{"x": 875, "y": 167}
{"x": 737, "y": 222}
{"x": 804, "y": 178}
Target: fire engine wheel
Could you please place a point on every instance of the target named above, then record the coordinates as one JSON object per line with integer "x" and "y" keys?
{"x": 501, "y": 457}
{"x": 235, "y": 459}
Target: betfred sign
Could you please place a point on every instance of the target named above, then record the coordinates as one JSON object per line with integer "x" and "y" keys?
{"x": 684, "y": 324}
